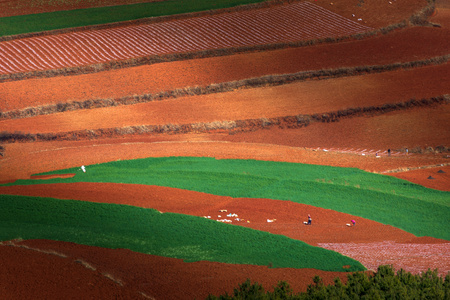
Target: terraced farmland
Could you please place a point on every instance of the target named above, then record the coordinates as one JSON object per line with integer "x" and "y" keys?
{"x": 275, "y": 93}
{"x": 290, "y": 23}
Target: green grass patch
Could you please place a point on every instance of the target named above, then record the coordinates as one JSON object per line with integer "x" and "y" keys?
{"x": 111, "y": 14}
{"x": 148, "y": 231}
{"x": 411, "y": 207}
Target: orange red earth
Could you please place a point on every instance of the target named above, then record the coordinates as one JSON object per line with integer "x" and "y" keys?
{"x": 105, "y": 273}
{"x": 410, "y": 44}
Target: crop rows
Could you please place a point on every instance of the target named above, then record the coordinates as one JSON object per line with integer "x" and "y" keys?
{"x": 287, "y": 23}
{"x": 411, "y": 257}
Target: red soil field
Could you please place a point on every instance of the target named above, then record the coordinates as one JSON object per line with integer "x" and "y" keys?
{"x": 25, "y": 159}
{"x": 91, "y": 272}
{"x": 374, "y": 13}
{"x": 287, "y": 100}
{"x": 410, "y": 44}
{"x": 278, "y": 24}
{"x": 142, "y": 276}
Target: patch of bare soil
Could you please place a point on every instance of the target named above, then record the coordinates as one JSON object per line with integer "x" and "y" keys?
{"x": 414, "y": 258}
{"x": 52, "y": 176}
{"x": 424, "y": 127}
{"x": 120, "y": 273}
{"x": 47, "y": 273}
{"x": 436, "y": 178}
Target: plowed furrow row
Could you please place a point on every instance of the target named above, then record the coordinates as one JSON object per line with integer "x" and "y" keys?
{"x": 287, "y": 23}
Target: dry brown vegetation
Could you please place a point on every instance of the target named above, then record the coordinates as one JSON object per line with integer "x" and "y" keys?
{"x": 269, "y": 80}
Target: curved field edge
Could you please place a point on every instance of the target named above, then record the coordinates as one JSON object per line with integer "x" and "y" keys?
{"x": 381, "y": 198}
{"x": 110, "y": 14}
{"x": 149, "y": 231}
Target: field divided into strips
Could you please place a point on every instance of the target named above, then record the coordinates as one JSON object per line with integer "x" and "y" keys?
{"x": 164, "y": 234}
{"x": 287, "y": 23}
{"x": 384, "y": 199}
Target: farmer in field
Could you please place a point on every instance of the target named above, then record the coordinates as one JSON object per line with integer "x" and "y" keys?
{"x": 309, "y": 220}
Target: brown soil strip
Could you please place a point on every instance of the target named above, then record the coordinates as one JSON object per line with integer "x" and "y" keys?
{"x": 286, "y": 100}
{"x": 52, "y": 176}
{"x": 153, "y": 276}
{"x": 329, "y": 226}
{"x": 441, "y": 179}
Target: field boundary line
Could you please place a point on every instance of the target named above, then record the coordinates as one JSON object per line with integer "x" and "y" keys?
{"x": 249, "y": 83}
{"x": 230, "y": 127}
{"x": 400, "y": 170}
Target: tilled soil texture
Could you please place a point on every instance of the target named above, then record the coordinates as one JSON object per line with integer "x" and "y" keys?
{"x": 278, "y": 24}
{"x": 411, "y": 44}
{"x": 373, "y": 13}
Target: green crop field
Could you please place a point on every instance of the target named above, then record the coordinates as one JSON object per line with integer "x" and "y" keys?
{"x": 111, "y": 14}
{"x": 413, "y": 208}
{"x": 149, "y": 231}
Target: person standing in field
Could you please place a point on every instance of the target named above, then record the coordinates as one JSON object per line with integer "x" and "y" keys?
{"x": 309, "y": 220}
